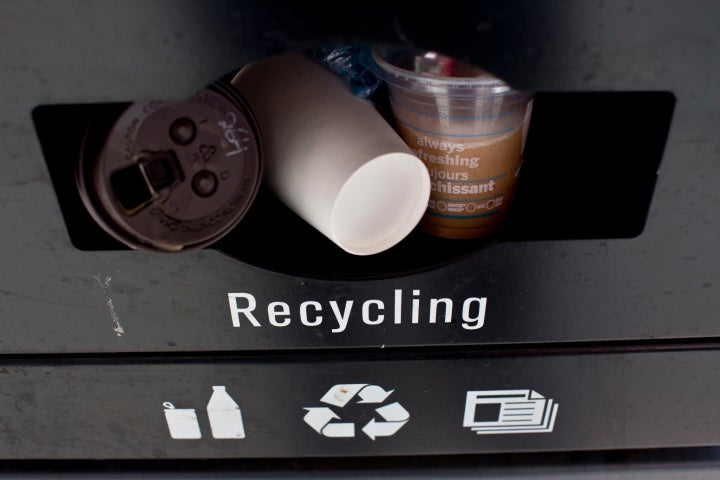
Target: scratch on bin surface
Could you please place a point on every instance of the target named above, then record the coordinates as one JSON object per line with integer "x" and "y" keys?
{"x": 104, "y": 283}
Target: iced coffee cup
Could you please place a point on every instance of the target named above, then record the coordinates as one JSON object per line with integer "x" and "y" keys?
{"x": 469, "y": 129}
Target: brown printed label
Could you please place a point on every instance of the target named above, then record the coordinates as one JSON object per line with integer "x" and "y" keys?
{"x": 473, "y": 180}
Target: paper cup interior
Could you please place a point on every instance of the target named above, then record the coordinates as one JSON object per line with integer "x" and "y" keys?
{"x": 380, "y": 204}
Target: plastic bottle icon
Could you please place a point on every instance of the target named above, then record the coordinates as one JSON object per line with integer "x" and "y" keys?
{"x": 224, "y": 415}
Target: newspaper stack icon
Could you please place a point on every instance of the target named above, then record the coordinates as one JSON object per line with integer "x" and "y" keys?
{"x": 509, "y": 411}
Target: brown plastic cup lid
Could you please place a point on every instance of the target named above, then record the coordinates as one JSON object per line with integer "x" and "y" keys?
{"x": 174, "y": 176}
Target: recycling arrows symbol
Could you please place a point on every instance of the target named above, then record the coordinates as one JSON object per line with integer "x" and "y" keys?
{"x": 321, "y": 419}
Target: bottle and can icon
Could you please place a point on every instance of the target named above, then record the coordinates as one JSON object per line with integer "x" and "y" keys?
{"x": 223, "y": 413}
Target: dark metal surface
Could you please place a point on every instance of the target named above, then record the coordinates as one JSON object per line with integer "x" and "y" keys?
{"x": 116, "y": 408}
{"x": 58, "y": 301}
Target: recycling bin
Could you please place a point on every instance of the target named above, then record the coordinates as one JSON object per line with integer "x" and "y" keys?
{"x": 581, "y": 339}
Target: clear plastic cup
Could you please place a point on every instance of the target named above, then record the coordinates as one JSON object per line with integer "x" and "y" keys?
{"x": 467, "y": 126}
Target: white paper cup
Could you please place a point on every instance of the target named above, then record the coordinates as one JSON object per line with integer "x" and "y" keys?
{"x": 331, "y": 157}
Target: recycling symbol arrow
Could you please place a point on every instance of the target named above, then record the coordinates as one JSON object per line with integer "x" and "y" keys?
{"x": 326, "y": 422}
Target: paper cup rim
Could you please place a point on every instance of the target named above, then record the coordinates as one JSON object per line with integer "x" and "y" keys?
{"x": 415, "y": 175}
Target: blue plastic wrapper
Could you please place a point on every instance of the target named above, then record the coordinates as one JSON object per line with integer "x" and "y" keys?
{"x": 350, "y": 63}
